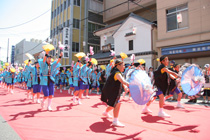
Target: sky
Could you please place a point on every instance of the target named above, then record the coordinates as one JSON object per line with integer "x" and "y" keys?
{"x": 15, "y": 12}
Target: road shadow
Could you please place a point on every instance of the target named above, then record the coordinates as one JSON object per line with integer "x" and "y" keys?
{"x": 189, "y": 128}
{"x": 27, "y": 114}
{"x": 155, "y": 119}
{"x": 98, "y": 104}
{"x": 132, "y": 136}
{"x": 66, "y": 107}
{"x": 104, "y": 126}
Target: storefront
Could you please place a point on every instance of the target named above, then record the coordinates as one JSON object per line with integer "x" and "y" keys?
{"x": 194, "y": 53}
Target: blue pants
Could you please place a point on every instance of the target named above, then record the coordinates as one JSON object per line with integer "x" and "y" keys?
{"x": 49, "y": 89}
{"x": 37, "y": 88}
{"x": 176, "y": 90}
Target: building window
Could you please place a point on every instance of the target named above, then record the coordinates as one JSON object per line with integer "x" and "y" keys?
{"x": 130, "y": 43}
{"x": 93, "y": 27}
{"x": 77, "y": 2}
{"x": 17, "y": 51}
{"x": 55, "y": 13}
{"x": 177, "y": 18}
{"x": 69, "y": 3}
{"x": 68, "y": 23}
{"x": 52, "y": 15}
{"x": 75, "y": 47}
{"x": 61, "y": 7}
{"x": 64, "y": 4}
{"x": 58, "y": 11}
{"x": 96, "y": 48}
{"x": 76, "y": 23}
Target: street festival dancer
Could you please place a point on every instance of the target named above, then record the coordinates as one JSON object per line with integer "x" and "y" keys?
{"x": 112, "y": 91}
{"x": 48, "y": 73}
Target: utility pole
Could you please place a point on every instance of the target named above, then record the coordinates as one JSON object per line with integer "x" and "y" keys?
{"x": 8, "y": 50}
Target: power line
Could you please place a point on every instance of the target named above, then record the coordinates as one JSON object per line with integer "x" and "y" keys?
{"x": 25, "y": 22}
{"x": 91, "y": 16}
{"x": 142, "y": 6}
{"x": 79, "y": 21}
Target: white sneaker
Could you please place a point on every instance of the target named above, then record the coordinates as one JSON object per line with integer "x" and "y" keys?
{"x": 97, "y": 93}
{"x": 146, "y": 110}
{"x": 87, "y": 97}
{"x": 179, "y": 106}
{"x": 12, "y": 92}
{"x": 60, "y": 91}
{"x": 130, "y": 98}
{"x": 118, "y": 124}
{"x": 123, "y": 94}
{"x": 33, "y": 99}
{"x": 49, "y": 108}
{"x": 107, "y": 115}
{"x": 163, "y": 114}
{"x": 38, "y": 101}
{"x": 42, "y": 104}
{"x": 74, "y": 99}
{"x": 79, "y": 102}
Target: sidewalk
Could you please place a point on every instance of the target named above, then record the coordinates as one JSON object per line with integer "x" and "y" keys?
{"x": 6, "y": 132}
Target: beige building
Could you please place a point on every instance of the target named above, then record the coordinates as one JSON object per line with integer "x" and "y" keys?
{"x": 129, "y": 14}
{"x": 184, "y": 30}
{"x": 117, "y": 10}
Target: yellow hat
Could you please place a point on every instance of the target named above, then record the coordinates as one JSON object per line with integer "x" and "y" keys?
{"x": 94, "y": 61}
{"x": 103, "y": 67}
{"x": 6, "y": 64}
{"x": 20, "y": 68}
{"x": 26, "y": 61}
{"x": 48, "y": 47}
{"x": 123, "y": 55}
{"x": 80, "y": 55}
{"x": 13, "y": 70}
{"x": 111, "y": 60}
{"x": 141, "y": 61}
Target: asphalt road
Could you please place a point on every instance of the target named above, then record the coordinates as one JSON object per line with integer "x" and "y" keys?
{"x": 6, "y": 131}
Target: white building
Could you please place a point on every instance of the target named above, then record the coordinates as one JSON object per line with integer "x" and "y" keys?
{"x": 24, "y": 47}
{"x": 134, "y": 35}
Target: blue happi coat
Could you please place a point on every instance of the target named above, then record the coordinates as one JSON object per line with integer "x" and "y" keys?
{"x": 44, "y": 68}
{"x": 95, "y": 78}
{"x": 76, "y": 72}
{"x": 70, "y": 76}
{"x": 34, "y": 70}
{"x": 84, "y": 74}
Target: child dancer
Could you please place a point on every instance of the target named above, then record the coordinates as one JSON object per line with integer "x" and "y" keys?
{"x": 35, "y": 70}
{"x": 29, "y": 86}
{"x": 112, "y": 91}
{"x": 174, "y": 87}
{"x": 161, "y": 82}
{"x": 70, "y": 76}
{"x": 95, "y": 77}
{"x": 48, "y": 72}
